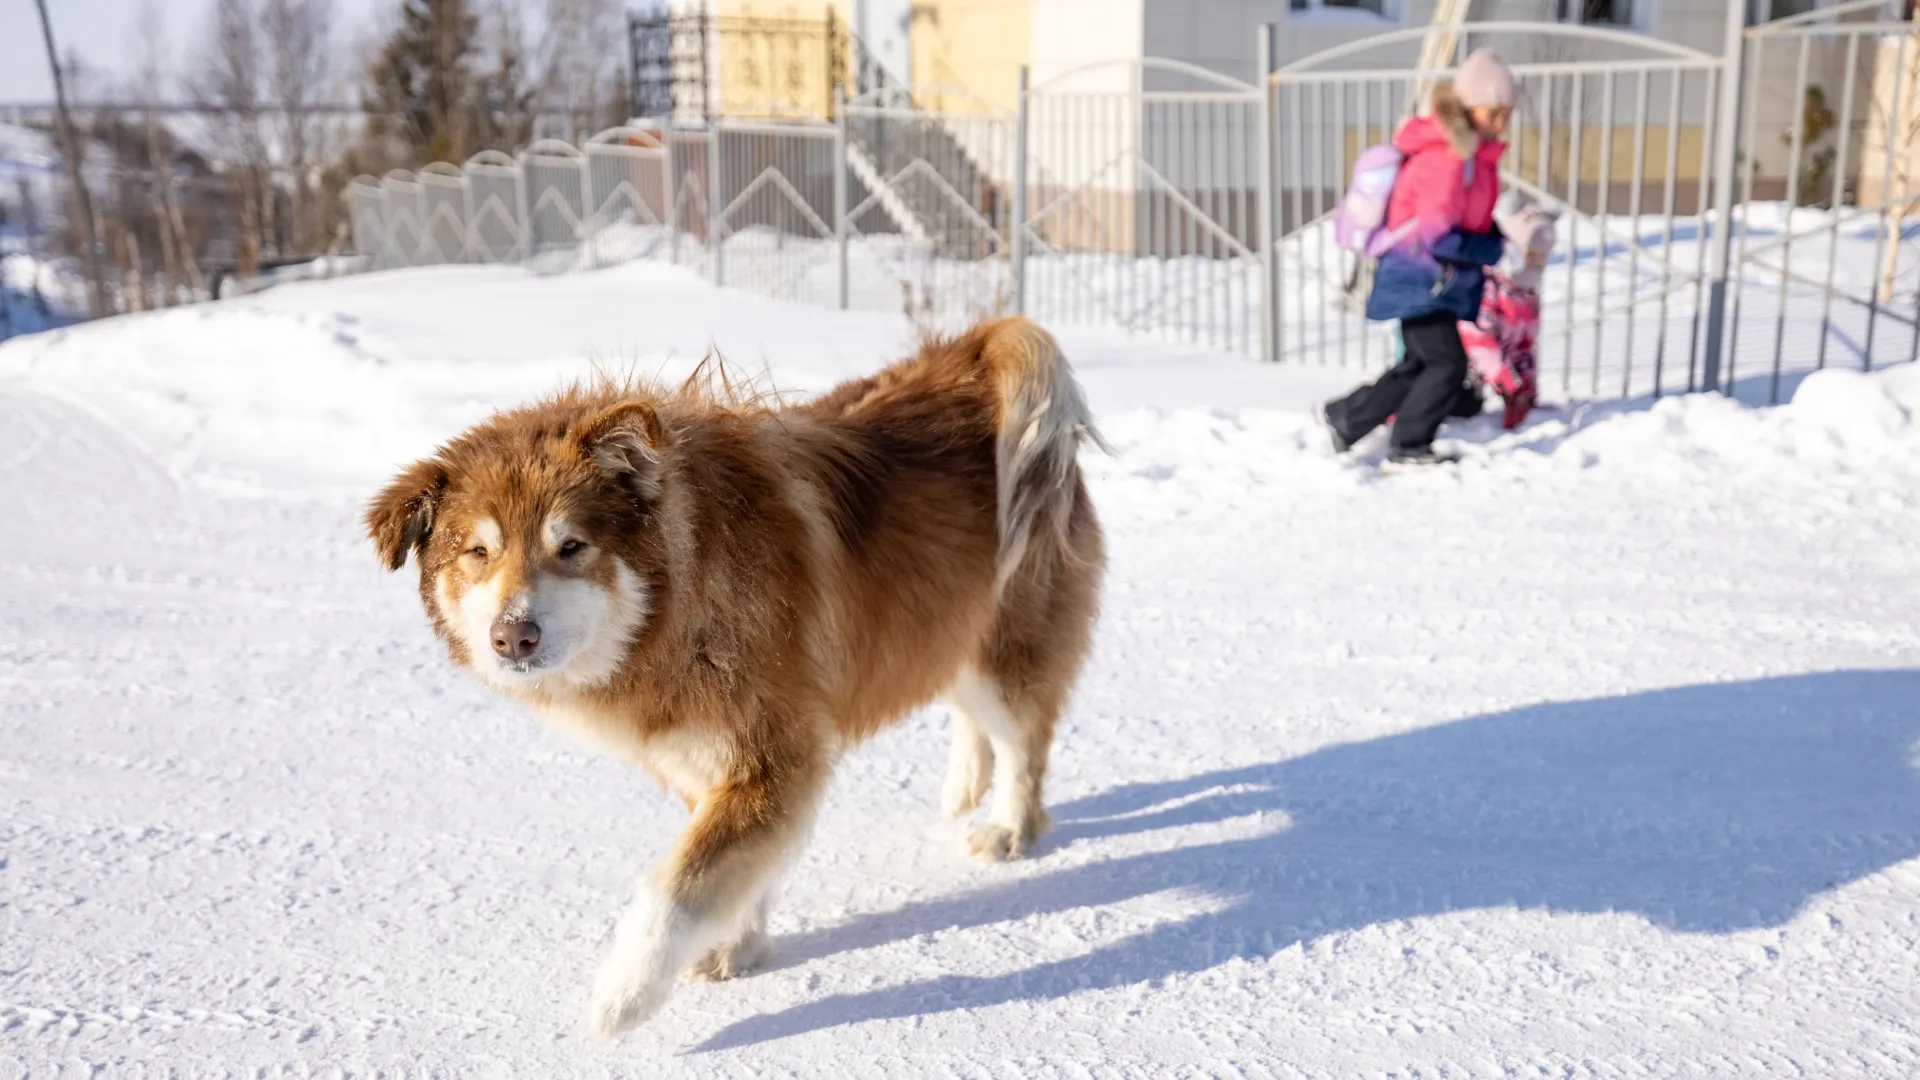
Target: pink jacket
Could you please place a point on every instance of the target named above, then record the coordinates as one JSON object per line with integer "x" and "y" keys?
{"x": 1451, "y": 177}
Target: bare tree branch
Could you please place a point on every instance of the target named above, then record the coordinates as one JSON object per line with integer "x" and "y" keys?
{"x": 76, "y": 178}
{"x": 299, "y": 37}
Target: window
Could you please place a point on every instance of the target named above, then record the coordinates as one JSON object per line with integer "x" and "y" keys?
{"x": 1764, "y": 11}
{"x": 1782, "y": 9}
{"x": 1386, "y": 9}
{"x": 1598, "y": 12}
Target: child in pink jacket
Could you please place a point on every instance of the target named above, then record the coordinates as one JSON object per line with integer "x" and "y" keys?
{"x": 1433, "y": 277}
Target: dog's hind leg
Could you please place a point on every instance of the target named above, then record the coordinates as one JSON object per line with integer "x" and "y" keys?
{"x": 1017, "y": 686}
{"x": 969, "y": 765}
{"x": 708, "y": 891}
{"x": 1021, "y": 736}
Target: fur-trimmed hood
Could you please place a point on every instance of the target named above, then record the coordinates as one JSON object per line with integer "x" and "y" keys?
{"x": 1444, "y": 121}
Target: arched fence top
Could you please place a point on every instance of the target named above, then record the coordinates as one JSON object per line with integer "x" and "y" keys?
{"x": 551, "y": 148}
{"x": 1139, "y": 69}
{"x": 441, "y": 172}
{"x": 909, "y": 97}
{"x": 364, "y": 180}
{"x": 1413, "y": 35}
{"x": 626, "y": 137}
{"x": 491, "y": 159}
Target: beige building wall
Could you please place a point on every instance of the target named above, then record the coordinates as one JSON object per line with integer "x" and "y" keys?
{"x": 973, "y": 46}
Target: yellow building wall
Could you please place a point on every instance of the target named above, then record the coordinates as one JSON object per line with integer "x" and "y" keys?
{"x": 975, "y": 46}
{"x": 1524, "y": 154}
{"x": 772, "y": 57}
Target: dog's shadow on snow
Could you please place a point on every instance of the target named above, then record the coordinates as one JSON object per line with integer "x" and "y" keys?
{"x": 1704, "y": 809}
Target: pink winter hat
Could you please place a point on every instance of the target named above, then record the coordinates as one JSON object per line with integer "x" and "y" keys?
{"x": 1484, "y": 81}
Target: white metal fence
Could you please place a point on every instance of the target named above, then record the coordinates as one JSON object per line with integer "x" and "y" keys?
{"x": 1164, "y": 199}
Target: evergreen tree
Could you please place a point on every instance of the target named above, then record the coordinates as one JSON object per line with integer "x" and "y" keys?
{"x": 505, "y": 92}
{"x": 422, "y": 84}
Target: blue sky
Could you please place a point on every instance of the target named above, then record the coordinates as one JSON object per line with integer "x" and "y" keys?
{"x": 105, "y": 33}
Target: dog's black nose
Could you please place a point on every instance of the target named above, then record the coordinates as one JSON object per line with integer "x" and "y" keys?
{"x": 515, "y": 639}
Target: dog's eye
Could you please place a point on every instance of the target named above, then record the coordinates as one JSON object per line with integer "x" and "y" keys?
{"x": 571, "y": 548}
{"x": 478, "y": 551}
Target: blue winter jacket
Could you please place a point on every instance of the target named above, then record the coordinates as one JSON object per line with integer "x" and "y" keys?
{"x": 1452, "y": 280}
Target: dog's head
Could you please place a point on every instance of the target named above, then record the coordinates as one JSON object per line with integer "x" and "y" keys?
{"x": 536, "y": 538}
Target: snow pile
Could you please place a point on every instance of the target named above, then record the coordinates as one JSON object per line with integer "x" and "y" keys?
{"x": 333, "y": 383}
{"x": 1596, "y": 755}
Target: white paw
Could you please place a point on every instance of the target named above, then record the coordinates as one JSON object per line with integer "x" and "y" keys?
{"x": 621, "y": 1003}
{"x": 743, "y": 957}
{"x": 995, "y": 843}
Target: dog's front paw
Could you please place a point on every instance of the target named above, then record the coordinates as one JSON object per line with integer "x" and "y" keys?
{"x": 995, "y": 843}
{"x": 621, "y": 1003}
{"x": 743, "y": 957}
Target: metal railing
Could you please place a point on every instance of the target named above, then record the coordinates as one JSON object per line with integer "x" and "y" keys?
{"x": 1160, "y": 198}
{"x": 1598, "y": 141}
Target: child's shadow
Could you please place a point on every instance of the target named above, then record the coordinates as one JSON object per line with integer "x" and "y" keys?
{"x": 1705, "y": 809}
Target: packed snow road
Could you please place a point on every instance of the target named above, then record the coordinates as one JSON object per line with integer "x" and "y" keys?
{"x": 1597, "y": 756}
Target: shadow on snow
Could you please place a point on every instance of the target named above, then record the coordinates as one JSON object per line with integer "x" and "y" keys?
{"x": 1704, "y": 809}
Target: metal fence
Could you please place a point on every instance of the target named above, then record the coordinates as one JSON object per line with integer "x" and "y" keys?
{"x": 1159, "y": 198}
{"x": 1600, "y": 142}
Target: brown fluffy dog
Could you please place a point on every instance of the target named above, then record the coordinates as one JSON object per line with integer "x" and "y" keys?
{"x": 731, "y": 596}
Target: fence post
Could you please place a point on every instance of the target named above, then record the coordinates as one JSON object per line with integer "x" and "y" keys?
{"x": 840, "y": 188}
{"x": 588, "y": 210}
{"x": 470, "y": 232}
{"x": 669, "y": 182}
{"x": 1264, "y": 200}
{"x": 716, "y": 209}
{"x": 1725, "y": 166}
{"x": 1018, "y": 240}
{"x": 520, "y": 203}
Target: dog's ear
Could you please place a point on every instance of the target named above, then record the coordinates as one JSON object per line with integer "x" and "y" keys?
{"x": 400, "y": 518}
{"x": 625, "y": 440}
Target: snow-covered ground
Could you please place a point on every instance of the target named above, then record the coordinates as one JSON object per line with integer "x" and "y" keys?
{"x": 1598, "y": 755}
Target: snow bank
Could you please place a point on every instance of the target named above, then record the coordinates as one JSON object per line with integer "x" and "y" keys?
{"x": 328, "y": 385}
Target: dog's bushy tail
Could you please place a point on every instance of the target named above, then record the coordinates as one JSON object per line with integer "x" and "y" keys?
{"x": 1043, "y": 420}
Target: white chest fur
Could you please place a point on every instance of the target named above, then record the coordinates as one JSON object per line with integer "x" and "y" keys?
{"x": 691, "y": 762}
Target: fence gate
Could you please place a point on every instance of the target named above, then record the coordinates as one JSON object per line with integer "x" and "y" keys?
{"x": 928, "y": 201}
{"x": 1142, "y": 202}
{"x": 1826, "y": 251}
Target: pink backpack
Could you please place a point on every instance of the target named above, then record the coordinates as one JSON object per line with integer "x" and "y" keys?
{"x": 1359, "y": 224}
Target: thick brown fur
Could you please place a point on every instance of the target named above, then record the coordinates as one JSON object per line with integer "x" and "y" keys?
{"x": 752, "y": 589}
